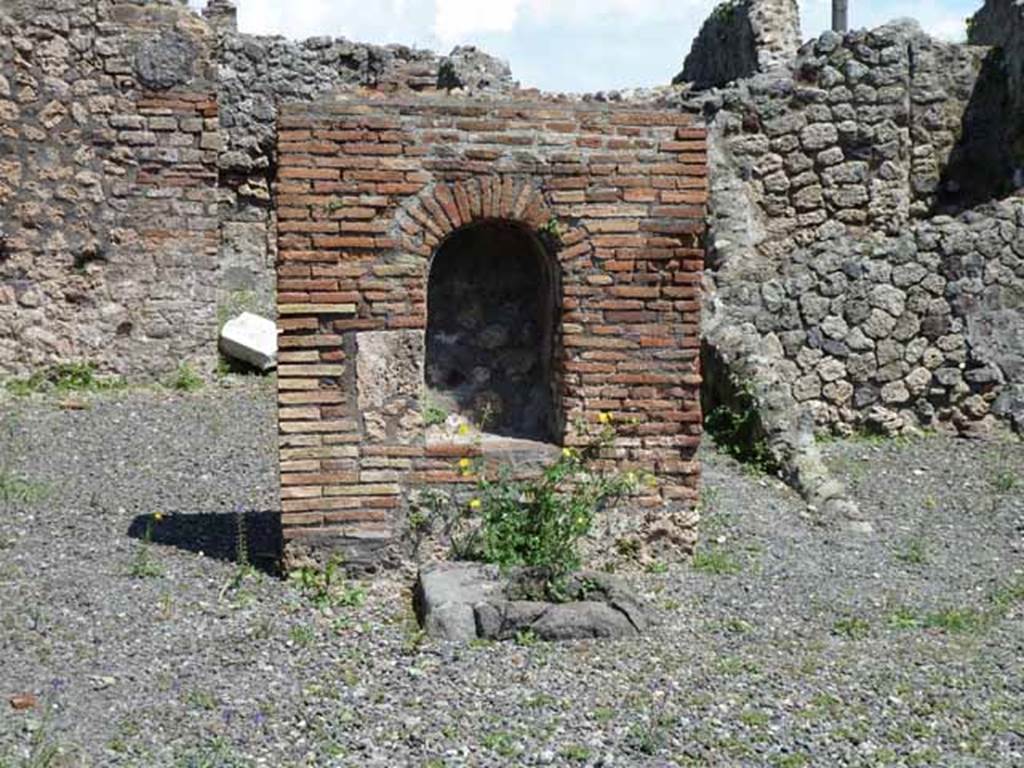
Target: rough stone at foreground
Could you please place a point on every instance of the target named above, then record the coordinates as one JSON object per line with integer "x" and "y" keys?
{"x": 466, "y": 601}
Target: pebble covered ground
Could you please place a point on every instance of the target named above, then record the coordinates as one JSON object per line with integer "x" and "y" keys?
{"x": 787, "y": 641}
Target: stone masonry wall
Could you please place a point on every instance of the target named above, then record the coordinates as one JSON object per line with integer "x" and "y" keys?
{"x": 1000, "y": 23}
{"x": 368, "y": 190}
{"x": 111, "y": 202}
{"x": 740, "y": 38}
{"x": 839, "y": 285}
{"x": 108, "y": 191}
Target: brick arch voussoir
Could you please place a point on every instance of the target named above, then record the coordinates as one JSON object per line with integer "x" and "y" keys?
{"x": 430, "y": 217}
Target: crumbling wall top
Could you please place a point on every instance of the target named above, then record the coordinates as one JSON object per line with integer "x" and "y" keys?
{"x": 741, "y": 38}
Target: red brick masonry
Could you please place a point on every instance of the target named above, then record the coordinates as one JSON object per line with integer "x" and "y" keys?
{"x": 368, "y": 190}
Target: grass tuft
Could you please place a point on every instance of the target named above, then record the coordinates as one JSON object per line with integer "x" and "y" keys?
{"x": 715, "y": 561}
{"x": 185, "y": 379}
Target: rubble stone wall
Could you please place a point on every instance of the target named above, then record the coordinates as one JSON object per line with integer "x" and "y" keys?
{"x": 1000, "y": 23}
{"x": 740, "y": 38}
{"x": 367, "y": 192}
{"x": 866, "y": 280}
{"x": 128, "y": 231}
{"x": 108, "y": 190}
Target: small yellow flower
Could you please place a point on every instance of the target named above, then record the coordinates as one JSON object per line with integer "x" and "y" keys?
{"x": 475, "y": 504}
{"x": 604, "y": 417}
{"x": 568, "y": 453}
{"x": 158, "y": 517}
{"x": 463, "y": 429}
{"x": 465, "y": 464}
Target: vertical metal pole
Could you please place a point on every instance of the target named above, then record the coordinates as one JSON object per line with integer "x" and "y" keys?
{"x": 840, "y": 16}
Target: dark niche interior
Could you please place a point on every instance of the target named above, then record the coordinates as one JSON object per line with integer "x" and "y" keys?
{"x": 490, "y": 315}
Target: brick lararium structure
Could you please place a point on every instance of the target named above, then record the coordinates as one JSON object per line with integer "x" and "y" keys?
{"x": 516, "y": 264}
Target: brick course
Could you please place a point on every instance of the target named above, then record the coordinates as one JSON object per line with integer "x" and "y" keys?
{"x": 366, "y": 193}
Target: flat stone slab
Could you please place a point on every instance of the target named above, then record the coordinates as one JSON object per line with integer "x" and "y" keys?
{"x": 468, "y": 601}
{"x": 251, "y": 339}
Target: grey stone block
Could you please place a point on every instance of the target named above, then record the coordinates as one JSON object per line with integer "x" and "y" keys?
{"x": 463, "y": 601}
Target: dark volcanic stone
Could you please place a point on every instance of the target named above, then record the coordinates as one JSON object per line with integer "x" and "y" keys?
{"x": 463, "y": 601}
{"x": 165, "y": 60}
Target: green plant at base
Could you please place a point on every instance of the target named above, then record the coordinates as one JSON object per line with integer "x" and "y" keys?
{"x": 65, "y": 378}
{"x": 526, "y": 638}
{"x": 23, "y": 387}
{"x": 540, "y": 522}
{"x": 736, "y": 430}
{"x": 434, "y": 416}
{"x": 143, "y": 566}
{"x": 185, "y": 379}
{"x": 325, "y": 587}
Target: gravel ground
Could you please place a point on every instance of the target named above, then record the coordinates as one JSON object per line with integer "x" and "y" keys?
{"x": 787, "y": 642}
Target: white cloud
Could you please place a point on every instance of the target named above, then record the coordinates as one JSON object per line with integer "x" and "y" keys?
{"x": 456, "y": 20}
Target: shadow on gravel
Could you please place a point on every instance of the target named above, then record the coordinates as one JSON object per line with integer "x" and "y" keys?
{"x": 251, "y": 536}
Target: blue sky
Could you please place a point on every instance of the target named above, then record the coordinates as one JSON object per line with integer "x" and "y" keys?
{"x": 562, "y": 45}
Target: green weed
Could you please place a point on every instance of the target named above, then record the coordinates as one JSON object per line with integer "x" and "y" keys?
{"x": 852, "y": 628}
{"x": 715, "y": 561}
{"x": 327, "y": 587}
{"x": 501, "y": 742}
{"x": 576, "y": 753}
{"x": 434, "y": 415}
{"x": 539, "y": 522}
{"x": 17, "y": 490}
{"x": 1005, "y": 481}
{"x": 143, "y": 565}
{"x": 185, "y": 379}
{"x": 1005, "y": 597}
{"x": 955, "y": 620}
{"x": 302, "y": 635}
{"x": 754, "y": 718}
{"x": 736, "y": 430}
{"x": 903, "y": 619}
{"x": 914, "y": 552}
{"x": 201, "y": 699}
{"x": 526, "y": 638}
{"x": 64, "y": 379}
{"x": 44, "y": 751}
